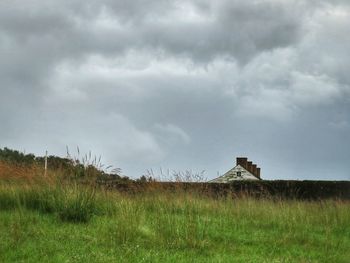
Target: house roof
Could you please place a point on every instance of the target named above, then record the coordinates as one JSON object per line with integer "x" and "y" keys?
{"x": 238, "y": 173}
{"x": 244, "y": 170}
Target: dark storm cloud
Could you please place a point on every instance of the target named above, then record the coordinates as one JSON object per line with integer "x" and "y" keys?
{"x": 180, "y": 84}
{"x": 227, "y": 28}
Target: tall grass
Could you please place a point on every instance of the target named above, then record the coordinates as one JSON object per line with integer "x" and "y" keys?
{"x": 158, "y": 225}
{"x": 53, "y": 192}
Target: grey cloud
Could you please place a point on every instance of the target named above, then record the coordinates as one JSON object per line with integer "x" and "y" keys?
{"x": 230, "y": 29}
{"x": 180, "y": 84}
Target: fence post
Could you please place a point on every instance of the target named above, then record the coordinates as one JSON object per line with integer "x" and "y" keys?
{"x": 45, "y": 163}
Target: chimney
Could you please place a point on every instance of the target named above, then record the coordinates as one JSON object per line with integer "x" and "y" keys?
{"x": 254, "y": 169}
{"x": 242, "y": 161}
{"x": 258, "y": 172}
{"x": 249, "y": 166}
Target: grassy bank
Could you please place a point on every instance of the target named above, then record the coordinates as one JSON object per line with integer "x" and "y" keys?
{"x": 72, "y": 223}
{"x": 62, "y": 217}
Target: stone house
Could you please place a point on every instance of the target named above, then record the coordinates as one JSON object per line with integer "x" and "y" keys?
{"x": 244, "y": 170}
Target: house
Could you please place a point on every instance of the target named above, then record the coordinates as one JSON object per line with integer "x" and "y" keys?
{"x": 244, "y": 170}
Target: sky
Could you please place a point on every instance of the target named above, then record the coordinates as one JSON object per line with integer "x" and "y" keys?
{"x": 180, "y": 85}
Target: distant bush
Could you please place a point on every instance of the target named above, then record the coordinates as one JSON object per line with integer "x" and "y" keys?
{"x": 86, "y": 168}
{"x": 16, "y": 157}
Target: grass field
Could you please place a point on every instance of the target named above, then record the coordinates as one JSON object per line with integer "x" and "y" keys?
{"x": 59, "y": 221}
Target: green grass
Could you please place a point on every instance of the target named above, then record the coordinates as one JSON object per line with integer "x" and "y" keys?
{"x": 71, "y": 223}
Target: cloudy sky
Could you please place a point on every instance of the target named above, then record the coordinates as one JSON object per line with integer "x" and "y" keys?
{"x": 180, "y": 84}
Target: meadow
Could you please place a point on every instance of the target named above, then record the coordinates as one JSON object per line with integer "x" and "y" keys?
{"x": 55, "y": 218}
